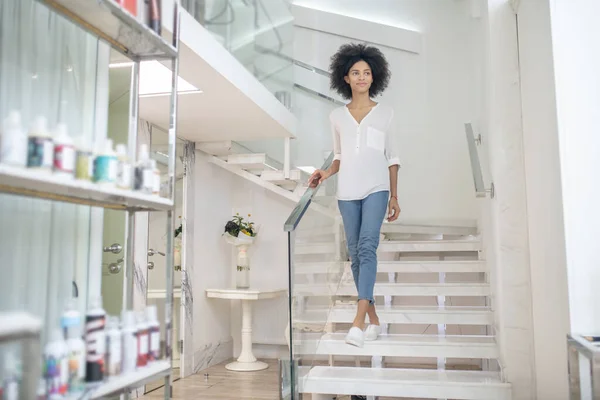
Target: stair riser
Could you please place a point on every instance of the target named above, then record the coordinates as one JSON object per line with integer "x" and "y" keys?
{"x": 399, "y": 291}
{"x": 482, "y": 318}
{"x": 343, "y": 349}
{"x": 384, "y": 248}
{"x": 307, "y": 269}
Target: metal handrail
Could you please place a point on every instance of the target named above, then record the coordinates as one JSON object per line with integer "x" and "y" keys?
{"x": 472, "y": 142}
{"x": 294, "y": 219}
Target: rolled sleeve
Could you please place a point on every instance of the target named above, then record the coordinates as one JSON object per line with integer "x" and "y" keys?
{"x": 390, "y": 144}
{"x": 337, "y": 149}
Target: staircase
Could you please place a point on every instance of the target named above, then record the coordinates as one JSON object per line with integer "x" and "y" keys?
{"x": 432, "y": 297}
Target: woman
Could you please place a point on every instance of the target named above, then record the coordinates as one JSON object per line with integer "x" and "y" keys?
{"x": 368, "y": 170}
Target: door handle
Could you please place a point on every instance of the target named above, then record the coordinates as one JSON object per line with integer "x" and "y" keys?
{"x": 114, "y": 248}
{"x": 152, "y": 252}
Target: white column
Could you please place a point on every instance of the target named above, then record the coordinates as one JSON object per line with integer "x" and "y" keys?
{"x": 246, "y": 361}
{"x": 575, "y": 32}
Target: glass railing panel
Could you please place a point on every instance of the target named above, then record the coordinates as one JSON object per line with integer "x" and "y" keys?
{"x": 316, "y": 267}
{"x": 258, "y": 33}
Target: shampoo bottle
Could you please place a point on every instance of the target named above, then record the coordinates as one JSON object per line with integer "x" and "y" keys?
{"x": 129, "y": 342}
{"x": 13, "y": 141}
{"x": 105, "y": 165}
{"x": 10, "y": 383}
{"x": 114, "y": 353}
{"x": 64, "y": 153}
{"x": 95, "y": 340}
{"x": 40, "y": 147}
{"x": 144, "y": 174}
{"x": 76, "y": 349}
{"x": 123, "y": 168}
{"x": 154, "y": 333}
{"x": 143, "y": 340}
{"x": 56, "y": 365}
{"x": 84, "y": 169}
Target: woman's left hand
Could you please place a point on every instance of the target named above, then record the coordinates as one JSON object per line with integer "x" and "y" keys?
{"x": 394, "y": 210}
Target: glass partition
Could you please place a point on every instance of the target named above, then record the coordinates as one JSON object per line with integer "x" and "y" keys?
{"x": 316, "y": 270}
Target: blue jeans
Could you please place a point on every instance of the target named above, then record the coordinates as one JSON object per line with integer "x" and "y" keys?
{"x": 362, "y": 223}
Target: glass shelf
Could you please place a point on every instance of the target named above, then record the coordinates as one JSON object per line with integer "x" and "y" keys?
{"x": 109, "y": 21}
{"x": 32, "y": 183}
{"x": 132, "y": 380}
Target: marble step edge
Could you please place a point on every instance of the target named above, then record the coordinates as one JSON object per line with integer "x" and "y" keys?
{"x": 417, "y": 266}
{"x": 411, "y": 383}
{"x": 397, "y": 246}
{"x": 396, "y": 289}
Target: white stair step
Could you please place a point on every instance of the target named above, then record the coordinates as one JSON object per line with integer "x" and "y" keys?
{"x": 396, "y": 267}
{"x": 460, "y": 228}
{"x": 396, "y": 289}
{"x": 250, "y": 161}
{"x": 401, "y": 315}
{"x": 427, "y": 384}
{"x": 412, "y": 246}
{"x": 278, "y": 177}
{"x": 476, "y": 347}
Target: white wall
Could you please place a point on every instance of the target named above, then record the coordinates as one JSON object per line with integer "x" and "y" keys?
{"x": 544, "y": 200}
{"x": 431, "y": 92}
{"x": 575, "y": 31}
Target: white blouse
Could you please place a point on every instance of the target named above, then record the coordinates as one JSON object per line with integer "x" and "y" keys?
{"x": 365, "y": 151}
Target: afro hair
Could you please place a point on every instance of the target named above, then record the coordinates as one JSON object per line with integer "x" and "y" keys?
{"x": 350, "y": 54}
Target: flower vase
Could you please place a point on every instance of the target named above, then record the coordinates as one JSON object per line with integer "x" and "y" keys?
{"x": 242, "y": 276}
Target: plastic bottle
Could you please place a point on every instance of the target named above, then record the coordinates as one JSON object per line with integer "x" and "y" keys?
{"x": 143, "y": 340}
{"x": 40, "y": 147}
{"x": 114, "y": 354}
{"x": 129, "y": 342}
{"x": 64, "y": 153}
{"x": 84, "y": 168}
{"x": 105, "y": 165}
{"x": 95, "y": 320}
{"x": 10, "y": 383}
{"x": 156, "y": 180}
{"x": 144, "y": 173}
{"x": 13, "y": 141}
{"x": 124, "y": 177}
{"x": 154, "y": 333}
{"x": 76, "y": 348}
{"x": 41, "y": 390}
{"x": 56, "y": 365}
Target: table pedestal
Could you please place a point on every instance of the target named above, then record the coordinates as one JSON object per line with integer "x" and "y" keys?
{"x": 246, "y": 361}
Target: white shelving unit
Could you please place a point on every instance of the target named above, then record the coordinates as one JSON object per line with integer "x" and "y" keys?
{"x": 125, "y": 33}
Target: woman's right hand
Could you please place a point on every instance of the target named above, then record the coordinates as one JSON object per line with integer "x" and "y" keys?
{"x": 317, "y": 178}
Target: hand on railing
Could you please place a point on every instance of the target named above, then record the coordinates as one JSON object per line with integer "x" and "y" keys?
{"x": 318, "y": 177}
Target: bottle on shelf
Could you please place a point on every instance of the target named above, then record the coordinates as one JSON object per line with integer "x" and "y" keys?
{"x": 105, "y": 165}
{"x": 95, "y": 321}
{"x": 40, "y": 146}
{"x": 123, "y": 168}
{"x": 84, "y": 169}
{"x": 13, "y": 141}
{"x": 129, "y": 342}
{"x": 153, "y": 332}
{"x": 144, "y": 173}
{"x": 64, "y": 153}
{"x": 11, "y": 374}
{"x": 56, "y": 365}
{"x": 156, "y": 179}
{"x": 114, "y": 347}
{"x": 143, "y": 340}
{"x": 76, "y": 348}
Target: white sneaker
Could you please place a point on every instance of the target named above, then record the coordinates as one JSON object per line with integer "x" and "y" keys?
{"x": 372, "y": 332}
{"x": 355, "y": 337}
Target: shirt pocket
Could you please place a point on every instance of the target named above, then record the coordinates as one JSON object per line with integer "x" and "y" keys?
{"x": 376, "y": 139}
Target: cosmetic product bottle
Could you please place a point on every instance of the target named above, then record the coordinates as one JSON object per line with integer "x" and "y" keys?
{"x": 10, "y": 383}
{"x": 154, "y": 333}
{"x": 105, "y": 165}
{"x": 64, "y": 153}
{"x": 76, "y": 348}
{"x": 41, "y": 390}
{"x": 84, "y": 169}
{"x": 56, "y": 365}
{"x": 114, "y": 346}
{"x": 144, "y": 174}
{"x": 124, "y": 175}
{"x": 95, "y": 321}
{"x": 13, "y": 141}
{"x": 40, "y": 147}
{"x": 143, "y": 340}
{"x": 156, "y": 178}
{"x": 155, "y": 19}
{"x": 130, "y": 345}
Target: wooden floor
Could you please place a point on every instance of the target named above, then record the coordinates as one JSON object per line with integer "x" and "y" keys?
{"x": 222, "y": 384}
